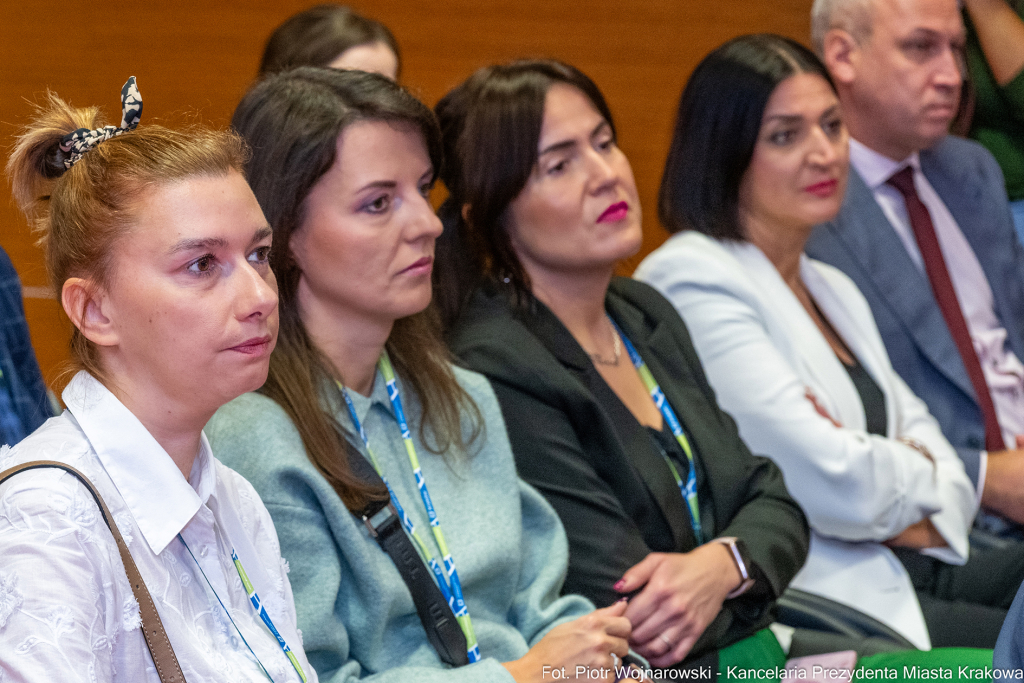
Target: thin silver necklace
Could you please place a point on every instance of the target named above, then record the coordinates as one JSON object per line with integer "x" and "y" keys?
{"x": 616, "y": 346}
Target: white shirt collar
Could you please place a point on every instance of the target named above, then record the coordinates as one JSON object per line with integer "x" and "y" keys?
{"x": 876, "y": 168}
{"x": 158, "y": 496}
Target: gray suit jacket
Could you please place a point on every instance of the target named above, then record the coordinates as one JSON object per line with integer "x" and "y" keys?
{"x": 862, "y": 243}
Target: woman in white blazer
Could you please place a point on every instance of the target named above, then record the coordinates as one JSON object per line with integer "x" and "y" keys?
{"x": 793, "y": 353}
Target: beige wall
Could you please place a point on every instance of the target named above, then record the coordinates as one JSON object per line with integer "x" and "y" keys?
{"x": 194, "y": 57}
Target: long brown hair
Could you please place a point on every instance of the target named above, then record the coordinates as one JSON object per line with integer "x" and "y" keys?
{"x": 80, "y": 213}
{"x": 292, "y": 121}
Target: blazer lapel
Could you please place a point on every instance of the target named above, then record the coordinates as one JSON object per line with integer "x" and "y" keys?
{"x": 647, "y": 461}
{"x": 820, "y": 367}
{"x": 873, "y": 242}
{"x": 998, "y": 254}
{"x": 852, "y": 332}
{"x": 547, "y": 328}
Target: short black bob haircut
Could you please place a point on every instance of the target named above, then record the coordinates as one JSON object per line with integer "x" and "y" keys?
{"x": 490, "y": 126}
{"x": 716, "y": 130}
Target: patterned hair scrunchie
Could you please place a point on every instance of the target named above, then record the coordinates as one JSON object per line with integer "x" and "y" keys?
{"x": 83, "y": 139}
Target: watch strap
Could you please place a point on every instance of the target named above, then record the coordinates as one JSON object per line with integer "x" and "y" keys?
{"x": 732, "y": 544}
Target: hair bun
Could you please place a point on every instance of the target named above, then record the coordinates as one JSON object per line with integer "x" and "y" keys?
{"x": 51, "y": 164}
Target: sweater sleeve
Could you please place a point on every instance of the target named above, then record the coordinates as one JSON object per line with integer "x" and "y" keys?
{"x": 605, "y": 541}
{"x": 346, "y": 590}
{"x": 316, "y": 578}
{"x": 537, "y": 606}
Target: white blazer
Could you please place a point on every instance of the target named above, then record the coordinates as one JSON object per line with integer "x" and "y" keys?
{"x": 762, "y": 353}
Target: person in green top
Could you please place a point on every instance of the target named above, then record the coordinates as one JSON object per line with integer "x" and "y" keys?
{"x": 995, "y": 63}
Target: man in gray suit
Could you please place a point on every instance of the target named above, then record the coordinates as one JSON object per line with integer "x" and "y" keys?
{"x": 926, "y": 233}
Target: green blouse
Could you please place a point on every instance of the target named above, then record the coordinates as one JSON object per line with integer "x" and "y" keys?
{"x": 998, "y": 121}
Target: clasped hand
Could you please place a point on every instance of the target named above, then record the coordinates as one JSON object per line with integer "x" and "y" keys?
{"x": 588, "y": 642}
{"x": 682, "y": 593}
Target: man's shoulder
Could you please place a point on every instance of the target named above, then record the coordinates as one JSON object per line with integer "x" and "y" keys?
{"x": 963, "y": 159}
{"x": 957, "y": 148}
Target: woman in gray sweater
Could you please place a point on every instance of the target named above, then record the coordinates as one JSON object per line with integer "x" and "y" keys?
{"x": 343, "y": 164}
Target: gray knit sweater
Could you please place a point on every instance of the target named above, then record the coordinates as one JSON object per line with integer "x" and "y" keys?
{"x": 356, "y": 615}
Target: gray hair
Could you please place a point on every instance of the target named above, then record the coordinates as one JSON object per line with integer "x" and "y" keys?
{"x": 852, "y": 16}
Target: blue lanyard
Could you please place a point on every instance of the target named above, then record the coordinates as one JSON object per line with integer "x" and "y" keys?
{"x": 689, "y": 488}
{"x": 452, "y": 587}
{"x": 254, "y": 599}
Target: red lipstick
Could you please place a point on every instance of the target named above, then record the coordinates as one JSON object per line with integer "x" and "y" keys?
{"x": 824, "y": 189}
{"x": 253, "y": 347}
{"x": 614, "y": 213}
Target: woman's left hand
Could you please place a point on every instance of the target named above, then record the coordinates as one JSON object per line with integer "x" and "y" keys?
{"x": 682, "y": 593}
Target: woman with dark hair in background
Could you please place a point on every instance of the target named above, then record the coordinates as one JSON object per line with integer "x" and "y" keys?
{"x": 759, "y": 157}
{"x": 334, "y": 36}
{"x": 661, "y": 500}
{"x": 157, "y": 250}
{"x": 361, "y": 389}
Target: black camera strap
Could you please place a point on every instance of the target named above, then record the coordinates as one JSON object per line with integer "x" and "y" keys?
{"x": 443, "y": 630}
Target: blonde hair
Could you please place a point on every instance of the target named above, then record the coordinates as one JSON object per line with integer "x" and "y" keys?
{"x": 79, "y": 214}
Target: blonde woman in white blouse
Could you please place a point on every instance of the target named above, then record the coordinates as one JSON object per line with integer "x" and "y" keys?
{"x": 157, "y": 250}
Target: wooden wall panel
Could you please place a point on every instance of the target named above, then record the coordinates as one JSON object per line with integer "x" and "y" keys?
{"x": 196, "y": 58}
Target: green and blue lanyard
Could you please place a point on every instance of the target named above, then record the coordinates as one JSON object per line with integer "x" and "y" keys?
{"x": 257, "y": 605}
{"x": 451, "y": 587}
{"x": 689, "y": 488}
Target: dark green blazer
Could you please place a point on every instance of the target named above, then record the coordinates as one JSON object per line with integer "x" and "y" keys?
{"x": 575, "y": 442}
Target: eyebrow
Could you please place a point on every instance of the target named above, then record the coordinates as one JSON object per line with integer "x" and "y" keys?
{"x": 797, "y": 118}
{"x": 262, "y": 234}
{"x": 200, "y": 243}
{"x": 923, "y": 32}
{"x": 932, "y": 34}
{"x": 569, "y": 144}
{"x": 378, "y": 184}
{"x": 785, "y": 118}
{"x": 217, "y": 242}
{"x": 391, "y": 184}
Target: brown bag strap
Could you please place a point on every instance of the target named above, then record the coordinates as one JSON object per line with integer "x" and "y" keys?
{"x": 152, "y": 628}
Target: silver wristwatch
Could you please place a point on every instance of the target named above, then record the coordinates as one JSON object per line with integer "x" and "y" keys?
{"x": 738, "y": 553}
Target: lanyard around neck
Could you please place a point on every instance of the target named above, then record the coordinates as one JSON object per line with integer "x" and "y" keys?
{"x": 257, "y": 605}
{"x": 448, "y": 581}
{"x": 689, "y": 488}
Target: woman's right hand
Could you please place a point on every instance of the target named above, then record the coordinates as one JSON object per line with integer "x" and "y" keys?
{"x": 588, "y": 642}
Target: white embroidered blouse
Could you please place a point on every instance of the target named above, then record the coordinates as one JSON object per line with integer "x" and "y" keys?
{"x": 67, "y": 612}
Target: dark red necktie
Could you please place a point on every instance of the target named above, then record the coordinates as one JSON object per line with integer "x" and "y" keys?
{"x": 945, "y": 295}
